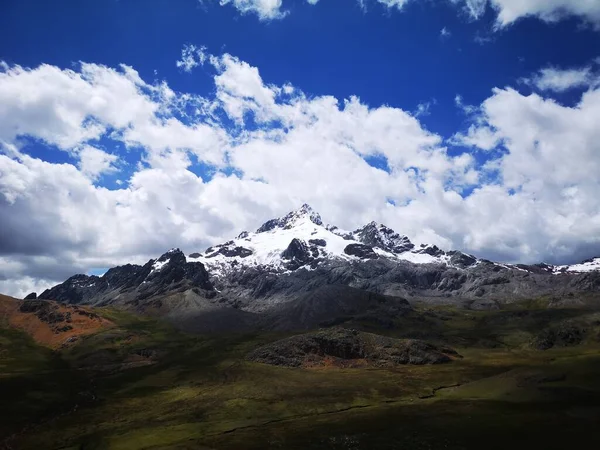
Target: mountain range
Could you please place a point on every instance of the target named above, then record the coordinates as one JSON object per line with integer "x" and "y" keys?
{"x": 301, "y": 335}
{"x": 296, "y": 266}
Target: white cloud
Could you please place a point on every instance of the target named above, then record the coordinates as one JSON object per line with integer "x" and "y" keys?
{"x": 94, "y": 162}
{"x": 21, "y": 287}
{"x": 475, "y": 8}
{"x": 534, "y": 200}
{"x": 509, "y": 11}
{"x": 267, "y": 10}
{"x": 560, "y": 80}
{"x": 91, "y": 100}
{"x": 551, "y": 166}
{"x": 264, "y": 9}
{"x": 445, "y": 33}
{"x": 191, "y": 56}
{"x": 477, "y": 136}
{"x": 240, "y": 89}
{"x": 465, "y": 108}
{"x": 399, "y": 4}
{"x": 67, "y": 109}
{"x": 424, "y": 109}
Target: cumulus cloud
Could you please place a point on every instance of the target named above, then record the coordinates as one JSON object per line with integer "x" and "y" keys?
{"x": 561, "y": 80}
{"x": 549, "y": 170}
{"x": 269, "y": 148}
{"x": 94, "y": 162}
{"x": 477, "y": 136}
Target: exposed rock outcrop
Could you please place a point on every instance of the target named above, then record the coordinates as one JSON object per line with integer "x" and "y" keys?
{"x": 377, "y": 235}
{"x": 343, "y": 347}
{"x": 565, "y": 335}
{"x": 361, "y": 251}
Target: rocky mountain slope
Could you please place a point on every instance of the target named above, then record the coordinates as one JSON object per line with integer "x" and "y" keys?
{"x": 279, "y": 266}
{"x": 131, "y": 284}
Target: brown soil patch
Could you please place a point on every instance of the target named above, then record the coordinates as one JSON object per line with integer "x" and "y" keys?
{"x": 73, "y": 322}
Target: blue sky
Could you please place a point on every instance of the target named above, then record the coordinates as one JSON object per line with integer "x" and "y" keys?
{"x": 332, "y": 48}
{"x": 523, "y": 73}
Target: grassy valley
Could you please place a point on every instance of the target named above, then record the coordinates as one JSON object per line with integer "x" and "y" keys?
{"x": 140, "y": 384}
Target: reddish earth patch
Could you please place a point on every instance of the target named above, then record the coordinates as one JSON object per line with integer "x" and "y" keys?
{"x": 56, "y": 326}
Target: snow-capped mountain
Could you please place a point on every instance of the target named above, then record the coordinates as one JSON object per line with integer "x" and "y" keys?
{"x": 298, "y": 260}
{"x": 301, "y": 240}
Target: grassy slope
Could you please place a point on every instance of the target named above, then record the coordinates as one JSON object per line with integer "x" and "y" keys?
{"x": 32, "y": 381}
{"x": 201, "y": 394}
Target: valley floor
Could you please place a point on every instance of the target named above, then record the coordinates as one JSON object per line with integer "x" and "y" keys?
{"x": 143, "y": 385}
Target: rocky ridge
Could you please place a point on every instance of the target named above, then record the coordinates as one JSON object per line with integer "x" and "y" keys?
{"x": 132, "y": 284}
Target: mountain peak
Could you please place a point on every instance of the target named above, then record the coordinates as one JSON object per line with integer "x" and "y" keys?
{"x": 378, "y": 235}
{"x": 306, "y": 208}
{"x": 372, "y": 225}
{"x": 305, "y": 212}
{"x": 174, "y": 252}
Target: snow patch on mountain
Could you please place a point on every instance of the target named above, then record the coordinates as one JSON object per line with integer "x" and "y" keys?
{"x": 159, "y": 265}
{"x": 301, "y": 240}
{"x": 163, "y": 260}
{"x": 589, "y": 265}
{"x": 266, "y": 247}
